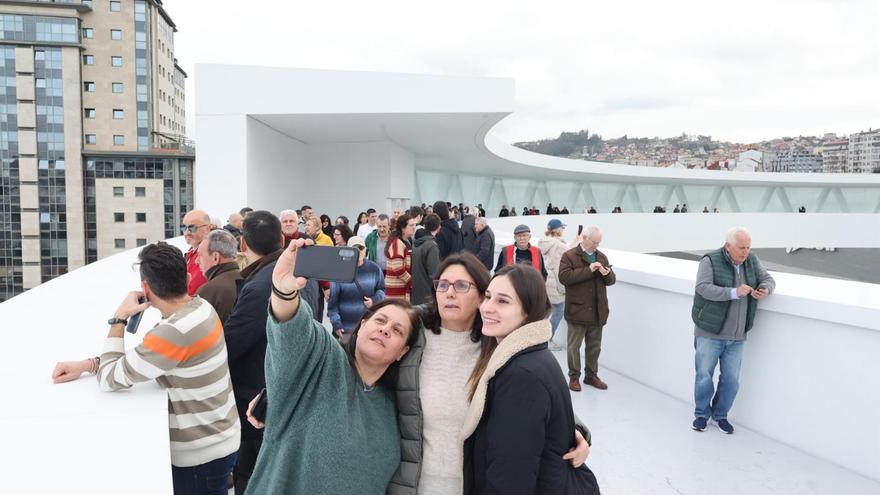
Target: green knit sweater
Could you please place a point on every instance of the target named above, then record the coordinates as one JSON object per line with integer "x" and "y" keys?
{"x": 324, "y": 432}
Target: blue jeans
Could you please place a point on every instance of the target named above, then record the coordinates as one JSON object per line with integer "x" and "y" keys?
{"x": 707, "y": 353}
{"x": 556, "y": 317}
{"x": 209, "y": 478}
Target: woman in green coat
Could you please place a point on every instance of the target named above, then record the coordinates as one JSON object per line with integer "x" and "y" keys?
{"x": 331, "y": 421}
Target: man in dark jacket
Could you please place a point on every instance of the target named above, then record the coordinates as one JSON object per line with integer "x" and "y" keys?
{"x": 217, "y": 261}
{"x": 521, "y": 251}
{"x": 245, "y": 329}
{"x": 425, "y": 259}
{"x": 468, "y": 234}
{"x": 485, "y": 243}
{"x": 449, "y": 239}
{"x": 585, "y": 272}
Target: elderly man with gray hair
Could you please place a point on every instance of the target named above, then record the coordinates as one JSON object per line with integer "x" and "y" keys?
{"x": 730, "y": 282}
{"x": 216, "y": 258}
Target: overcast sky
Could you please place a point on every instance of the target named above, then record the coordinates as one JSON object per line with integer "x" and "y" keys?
{"x": 738, "y": 71}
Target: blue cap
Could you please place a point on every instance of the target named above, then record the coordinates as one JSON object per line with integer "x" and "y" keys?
{"x": 555, "y": 224}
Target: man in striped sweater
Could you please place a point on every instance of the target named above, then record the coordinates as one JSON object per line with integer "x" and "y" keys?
{"x": 186, "y": 354}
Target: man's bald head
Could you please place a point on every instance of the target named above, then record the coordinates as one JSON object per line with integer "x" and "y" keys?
{"x": 196, "y": 225}
{"x": 235, "y": 220}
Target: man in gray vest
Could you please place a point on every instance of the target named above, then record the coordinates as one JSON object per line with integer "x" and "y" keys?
{"x": 730, "y": 281}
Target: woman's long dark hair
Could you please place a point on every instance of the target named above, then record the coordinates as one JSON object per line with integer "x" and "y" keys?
{"x": 344, "y": 231}
{"x": 397, "y": 234}
{"x": 532, "y": 294}
{"x": 474, "y": 267}
{"x": 361, "y": 215}
{"x": 415, "y": 322}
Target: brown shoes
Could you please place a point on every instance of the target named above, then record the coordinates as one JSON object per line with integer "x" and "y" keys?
{"x": 574, "y": 384}
{"x": 595, "y": 381}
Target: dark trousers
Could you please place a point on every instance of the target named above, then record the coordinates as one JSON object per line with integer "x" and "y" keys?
{"x": 577, "y": 334}
{"x": 247, "y": 459}
{"x": 209, "y": 478}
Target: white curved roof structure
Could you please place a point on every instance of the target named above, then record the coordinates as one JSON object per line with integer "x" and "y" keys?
{"x": 352, "y": 139}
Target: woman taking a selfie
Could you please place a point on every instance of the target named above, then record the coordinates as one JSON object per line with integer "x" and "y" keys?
{"x": 331, "y": 421}
{"x": 519, "y": 422}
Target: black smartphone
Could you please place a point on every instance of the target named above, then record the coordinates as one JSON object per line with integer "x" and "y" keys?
{"x": 259, "y": 410}
{"x": 580, "y": 229}
{"x": 330, "y": 263}
{"x": 135, "y": 320}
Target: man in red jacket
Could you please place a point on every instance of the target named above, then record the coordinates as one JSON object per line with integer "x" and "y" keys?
{"x": 521, "y": 251}
{"x": 196, "y": 226}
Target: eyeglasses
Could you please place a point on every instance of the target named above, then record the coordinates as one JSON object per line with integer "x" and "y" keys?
{"x": 460, "y": 286}
{"x": 191, "y": 228}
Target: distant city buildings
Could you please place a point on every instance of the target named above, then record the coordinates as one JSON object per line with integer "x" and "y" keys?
{"x": 860, "y": 153}
{"x": 864, "y": 152}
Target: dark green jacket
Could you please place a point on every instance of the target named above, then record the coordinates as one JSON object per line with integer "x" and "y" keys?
{"x": 409, "y": 421}
{"x": 710, "y": 315}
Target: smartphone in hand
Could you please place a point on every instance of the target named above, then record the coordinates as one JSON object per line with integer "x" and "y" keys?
{"x": 135, "y": 320}
{"x": 580, "y": 230}
{"x": 330, "y": 263}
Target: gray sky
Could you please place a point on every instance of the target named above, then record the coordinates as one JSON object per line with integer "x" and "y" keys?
{"x": 741, "y": 71}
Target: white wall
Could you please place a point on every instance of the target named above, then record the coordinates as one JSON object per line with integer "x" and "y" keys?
{"x": 810, "y": 377}
{"x": 282, "y": 179}
{"x": 657, "y": 232}
{"x": 221, "y": 172}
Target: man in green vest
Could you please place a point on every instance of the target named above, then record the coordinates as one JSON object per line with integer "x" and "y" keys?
{"x": 730, "y": 282}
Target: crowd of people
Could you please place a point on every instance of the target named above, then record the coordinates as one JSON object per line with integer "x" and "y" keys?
{"x": 436, "y": 375}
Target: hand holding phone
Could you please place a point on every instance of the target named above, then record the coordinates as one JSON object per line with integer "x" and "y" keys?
{"x": 135, "y": 320}
{"x": 330, "y": 263}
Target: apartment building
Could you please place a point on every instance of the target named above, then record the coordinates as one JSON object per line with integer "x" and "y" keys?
{"x": 864, "y": 152}
{"x": 835, "y": 156}
{"x": 93, "y": 155}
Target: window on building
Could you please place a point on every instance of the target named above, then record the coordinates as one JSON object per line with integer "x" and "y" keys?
{"x": 119, "y": 243}
{"x": 118, "y": 114}
{"x": 118, "y": 140}
{"x": 118, "y": 192}
{"x": 43, "y": 164}
{"x": 140, "y": 192}
{"x": 89, "y": 113}
{"x": 141, "y": 242}
{"x": 117, "y": 87}
{"x": 91, "y": 139}
{"x": 89, "y": 86}
{"x": 141, "y": 217}
{"x": 115, "y": 6}
{"x": 115, "y": 34}
{"x": 39, "y": 55}
{"x": 40, "y": 82}
{"x": 88, "y": 60}
{"x": 88, "y": 33}
{"x": 116, "y": 61}
{"x": 87, "y": 3}
{"x": 119, "y": 217}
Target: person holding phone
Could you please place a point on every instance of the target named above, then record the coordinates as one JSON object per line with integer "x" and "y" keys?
{"x": 586, "y": 273}
{"x": 184, "y": 353}
{"x": 730, "y": 282}
{"x": 327, "y": 403}
{"x": 347, "y": 303}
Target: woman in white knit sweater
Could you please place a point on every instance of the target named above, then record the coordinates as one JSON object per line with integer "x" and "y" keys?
{"x": 453, "y": 345}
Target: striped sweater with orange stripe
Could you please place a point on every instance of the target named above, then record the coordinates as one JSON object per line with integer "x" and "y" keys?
{"x": 185, "y": 354}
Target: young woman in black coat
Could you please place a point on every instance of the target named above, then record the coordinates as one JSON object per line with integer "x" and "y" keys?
{"x": 520, "y": 422}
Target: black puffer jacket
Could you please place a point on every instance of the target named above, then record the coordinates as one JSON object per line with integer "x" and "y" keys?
{"x": 449, "y": 239}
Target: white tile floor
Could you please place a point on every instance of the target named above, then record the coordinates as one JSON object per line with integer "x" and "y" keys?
{"x": 643, "y": 444}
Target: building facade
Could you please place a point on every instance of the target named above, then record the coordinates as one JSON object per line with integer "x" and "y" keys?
{"x": 798, "y": 160}
{"x": 93, "y": 158}
{"x": 835, "y": 156}
{"x": 864, "y": 152}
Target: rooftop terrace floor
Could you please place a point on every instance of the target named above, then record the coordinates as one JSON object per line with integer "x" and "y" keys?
{"x": 643, "y": 444}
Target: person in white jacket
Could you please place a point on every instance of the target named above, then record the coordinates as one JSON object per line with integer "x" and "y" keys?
{"x": 552, "y": 248}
